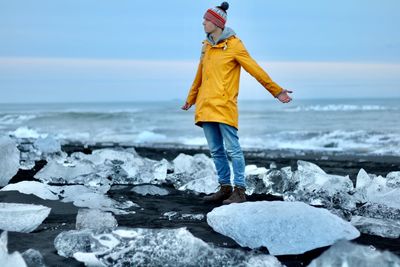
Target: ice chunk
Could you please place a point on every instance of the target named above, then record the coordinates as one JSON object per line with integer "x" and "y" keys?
{"x": 313, "y": 178}
{"x": 208, "y": 184}
{"x": 378, "y": 189}
{"x": 380, "y": 227}
{"x": 9, "y": 260}
{"x": 283, "y": 227}
{"x": 126, "y": 167}
{"x": 89, "y": 259}
{"x": 95, "y": 219}
{"x": 121, "y": 167}
{"x": 33, "y": 258}
{"x": 69, "y": 242}
{"x": 32, "y": 187}
{"x": 79, "y": 195}
{"x": 264, "y": 181}
{"x": 188, "y": 168}
{"x": 100, "y": 156}
{"x": 363, "y": 179}
{"x": 22, "y": 217}
{"x": 345, "y": 253}
{"x": 137, "y": 247}
{"x": 311, "y": 184}
{"x": 393, "y": 179}
{"x": 192, "y": 164}
{"x": 55, "y": 172}
{"x": 84, "y": 197}
{"x": 47, "y": 145}
{"x": 150, "y": 190}
{"x": 174, "y": 215}
{"x": 9, "y": 162}
{"x": 378, "y": 211}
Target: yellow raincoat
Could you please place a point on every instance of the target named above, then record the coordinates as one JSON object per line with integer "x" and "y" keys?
{"x": 216, "y": 86}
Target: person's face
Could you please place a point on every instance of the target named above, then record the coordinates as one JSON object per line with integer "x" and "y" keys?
{"x": 209, "y": 27}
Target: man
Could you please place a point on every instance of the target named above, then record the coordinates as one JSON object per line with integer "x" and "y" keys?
{"x": 214, "y": 92}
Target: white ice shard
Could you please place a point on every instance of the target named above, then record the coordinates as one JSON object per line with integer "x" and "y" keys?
{"x": 283, "y": 227}
{"x": 174, "y": 215}
{"x": 84, "y": 197}
{"x": 33, "y": 257}
{"x": 377, "y": 189}
{"x": 313, "y": 178}
{"x": 378, "y": 211}
{"x": 95, "y": 219}
{"x": 47, "y": 145}
{"x": 345, "y": 253}
{"x": 311, "y": 184}
{"x": 22, "y": 217}
{"x": 121, "y": 167}
{"x": 79, "y": 195}
{"x": 381, "y": 227}
{"x": 393, "y": 179}
{"x": 9, "y": 161}
{"x": 189, "y": 168}
{"x": 9, "y": 260}
{"x": 56, "y": 172}
{"x": 153, "y": 247}
{"x": 264, "y": 181}
{"x": 69, "y": 242}
{"x": 32, "y": 187}
{"x": 150, "y": 190}
{"x": 208, "y": 184}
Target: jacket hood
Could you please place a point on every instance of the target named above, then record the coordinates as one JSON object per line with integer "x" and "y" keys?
{"x": 226, "y": 33}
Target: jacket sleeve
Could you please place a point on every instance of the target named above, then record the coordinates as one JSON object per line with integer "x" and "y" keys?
{"x": 191, "y": 99}
{"x": 251, "y": 66}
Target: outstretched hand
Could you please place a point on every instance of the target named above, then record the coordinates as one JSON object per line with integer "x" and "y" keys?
{"x": 186, "y": 106}
{"x": 284, "y": 96}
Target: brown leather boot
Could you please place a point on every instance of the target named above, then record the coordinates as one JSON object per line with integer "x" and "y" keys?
{"x": 237, "y": 196}
{"x": 223, "y": 193}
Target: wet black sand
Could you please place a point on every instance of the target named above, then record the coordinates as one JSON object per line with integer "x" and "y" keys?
{"x": 63, "y": 215}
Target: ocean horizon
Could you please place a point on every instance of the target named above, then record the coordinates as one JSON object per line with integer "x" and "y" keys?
{"x": 354, "y": 126}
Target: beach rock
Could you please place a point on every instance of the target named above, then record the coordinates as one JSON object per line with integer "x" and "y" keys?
{"x": 9, "y": 162}
{"x": 95, "y": 219}
{"x": 344, "y": 253}
{"x": 150, "y": 190}
{"x": 32, "y": 187}
{"x": 137, "y": 247}
{"x": 22, "y": 217}
{"x": 311, "y": 185}
{"x": 283, "y": 227}
{"x": 380, "y": 227}
{"x": 9, "y": 260}
{"x": 189, "y": 168}
{"x": 33, "y": 258}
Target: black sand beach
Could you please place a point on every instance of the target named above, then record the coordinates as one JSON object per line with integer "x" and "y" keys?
{"x": 149, "y": 215}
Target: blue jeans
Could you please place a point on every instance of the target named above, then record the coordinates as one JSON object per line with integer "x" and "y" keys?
{"x": 217, "y": 134}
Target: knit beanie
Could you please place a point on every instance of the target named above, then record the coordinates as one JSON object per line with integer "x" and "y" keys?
{"x": 217, "y": 15}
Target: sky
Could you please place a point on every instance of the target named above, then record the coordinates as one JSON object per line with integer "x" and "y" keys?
{"x": 129, "y": 50}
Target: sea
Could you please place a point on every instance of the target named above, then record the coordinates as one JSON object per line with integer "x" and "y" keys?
{"x": 351, "y": 126}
